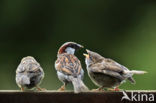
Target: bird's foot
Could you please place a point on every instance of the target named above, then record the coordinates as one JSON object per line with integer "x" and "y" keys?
{"x": 98, "y": 90}
{"x": 41, "y": 89}
{"x": 62, "y": 88}
{"x": 22, "y": 89}
{"x": 116, "y": 89}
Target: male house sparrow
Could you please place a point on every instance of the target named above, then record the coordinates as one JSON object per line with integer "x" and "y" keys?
{"x": 69, "y": 68}
{"x": 106, "y": 73}
{"x": 29, "y": 74}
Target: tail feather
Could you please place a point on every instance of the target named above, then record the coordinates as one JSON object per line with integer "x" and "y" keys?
{"x": 79, "y": 86}
{"x": 136, "y": 72}
{"x": 129, "y": 74}
{"x": 131, "y": 79}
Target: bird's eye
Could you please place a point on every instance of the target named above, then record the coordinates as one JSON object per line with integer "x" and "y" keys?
{"x": 90, "y": 57}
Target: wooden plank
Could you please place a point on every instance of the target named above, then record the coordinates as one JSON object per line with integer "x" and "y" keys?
{"x": 12, "y": 96}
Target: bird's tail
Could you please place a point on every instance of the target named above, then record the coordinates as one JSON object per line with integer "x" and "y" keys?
{"x": 79, "y": 86}
{"x": 136, "y": 72}
{"x": 129, "y": 74}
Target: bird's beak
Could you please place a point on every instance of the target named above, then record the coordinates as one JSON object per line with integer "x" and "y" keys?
{"x": 80, "y": 46}
{"x": 86, "y": 55}
{"x": 87, "y": 50}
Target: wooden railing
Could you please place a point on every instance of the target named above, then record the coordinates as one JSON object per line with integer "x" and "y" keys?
{"x": 12, "y": 96}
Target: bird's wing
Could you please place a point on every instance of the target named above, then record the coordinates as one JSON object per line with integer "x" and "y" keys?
{"x": 108, "y": 72}
{"x": 110, "y": 64}
{"x": 108, "y": 67}
{"x": 20, "y": 69}
{"x": 68, "y": 64}
{"x": 29, "y": 68}
{"x": 34, "y": 68}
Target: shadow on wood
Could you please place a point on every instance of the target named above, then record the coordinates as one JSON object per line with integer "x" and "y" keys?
{"x": 66, "y": 97}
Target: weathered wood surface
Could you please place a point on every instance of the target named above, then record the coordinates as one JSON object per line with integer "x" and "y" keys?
{"x": 12, "y": 96}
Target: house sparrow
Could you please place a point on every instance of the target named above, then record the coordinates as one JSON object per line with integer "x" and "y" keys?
{"x": 106, "y": 73}
{"x": 69, "y": 68}
{"x": 29, "y": 74}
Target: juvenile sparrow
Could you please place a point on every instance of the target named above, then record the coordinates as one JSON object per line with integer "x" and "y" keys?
{"x": 69, "y": 68}
{"x": 106, "y": 73}
{"x": 29, "y": 74}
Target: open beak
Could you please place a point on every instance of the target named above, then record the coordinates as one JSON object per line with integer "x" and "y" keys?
{"x": 82, "y": 46}
{"x": 86, "y": 55}
{"x": 87, "y": 50}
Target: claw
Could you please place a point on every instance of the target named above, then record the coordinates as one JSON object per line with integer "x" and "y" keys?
{"x": 62, "y": 88}
{"x": 115, "y": 89}
{"x": 98, "y": 89}
{"x": 40, "y": 89}
{"x": 22, "y": 89}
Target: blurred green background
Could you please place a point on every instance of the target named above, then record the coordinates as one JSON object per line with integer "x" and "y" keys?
{"x": 124, "y": 30}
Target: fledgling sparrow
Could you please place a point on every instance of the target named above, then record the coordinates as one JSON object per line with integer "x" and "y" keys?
{"x": 29, "y": 74}
{"x": 106, "y": 73}
{"x": 69, "y": 68}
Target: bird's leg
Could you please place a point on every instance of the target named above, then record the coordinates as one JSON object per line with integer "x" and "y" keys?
{"x": 40, "y": 89}
{"x": 101, "y": 88}
{"x": 115, "y": 89}
{"x": 62, "y": 88}
{"x": 22, "y": 89}
{"x": 98, "y": 89}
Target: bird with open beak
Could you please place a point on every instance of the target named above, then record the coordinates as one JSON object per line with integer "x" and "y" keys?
{"x": 69, "y": 68}
{"x": 29, "y": 74}
{"x": 106, "y": 73}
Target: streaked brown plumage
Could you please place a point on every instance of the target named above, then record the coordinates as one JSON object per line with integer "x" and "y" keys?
{"x": 106, "y": 73}
{"x": 69, "y": 67}
{"x": 29, "y": 74}
{"x": 68, "y": 64}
